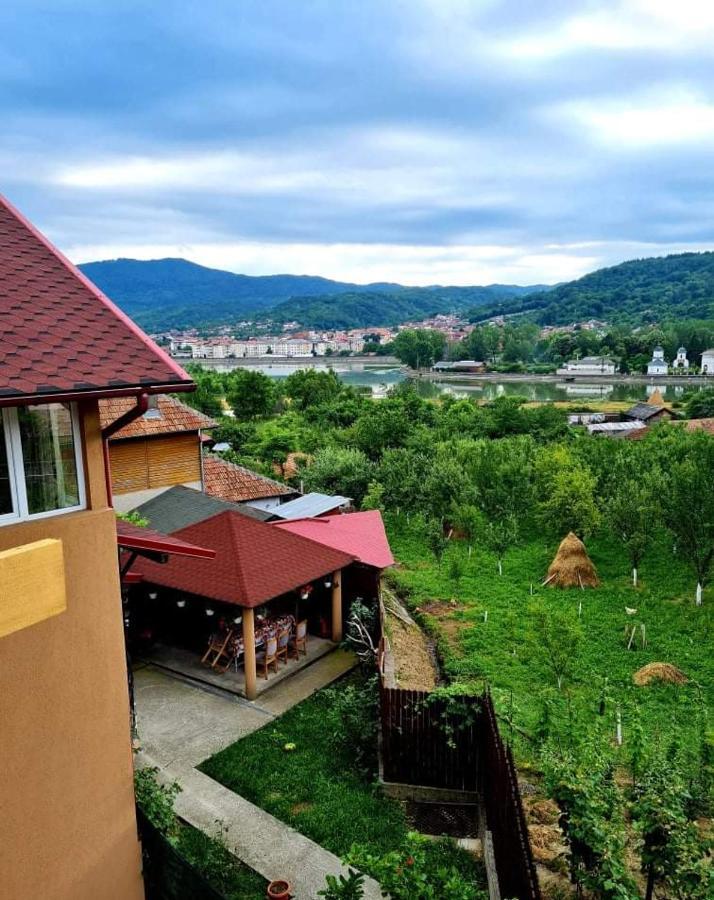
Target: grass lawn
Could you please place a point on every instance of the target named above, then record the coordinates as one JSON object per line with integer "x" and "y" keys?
{"x": 225, "y": 872}
{"x": 317, "y": 788}
{"x": 503, "y": 652}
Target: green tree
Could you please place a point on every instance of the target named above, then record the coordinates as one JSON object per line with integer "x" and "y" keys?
{"x": 339, "y": 470}
{"x": 419, "y": 348}
{"x": 701, "y": 404}
{"x": 632, "y": 513}
{"x": 309, "y": 387}
{"x": 558, "y": 638}
{"x": 251, "y": 394}
{"x": 565, "y": 493}
{"x": 499, "y": 535}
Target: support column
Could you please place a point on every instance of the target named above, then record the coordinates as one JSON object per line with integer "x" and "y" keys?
{"x": 337, "y": 606}
{"x": 249, "y": 653}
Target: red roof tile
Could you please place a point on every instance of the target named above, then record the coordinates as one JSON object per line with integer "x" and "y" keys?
{"x": 59, "y": 335}
{"x": 360, "y": 534}
{"x": 169, "y": 416}
{"x": 255, "y": 562}
{"x": 231, "y": 482}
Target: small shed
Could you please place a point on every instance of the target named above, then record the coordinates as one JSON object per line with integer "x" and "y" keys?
{"x": 649, "y": 413}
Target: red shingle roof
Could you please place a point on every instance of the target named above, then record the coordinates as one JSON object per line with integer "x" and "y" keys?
{"x": 135, "y": 537}
{"x": 255, "y": 562}
{"x": 360, "y": 534}
{"x": 230, "y": 482}
{"x": 59, "y": 335}
{"x": 170, "y": 416}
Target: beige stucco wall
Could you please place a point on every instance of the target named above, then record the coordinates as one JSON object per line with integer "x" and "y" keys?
{"x": 67, "y": 824}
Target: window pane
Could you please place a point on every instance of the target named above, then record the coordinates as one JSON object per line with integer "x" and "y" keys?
{"x": 48, "y": 457}
{"x": 5, "y": 492}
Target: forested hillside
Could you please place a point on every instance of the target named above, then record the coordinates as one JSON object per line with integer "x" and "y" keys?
{"x": 641, "y": 290}
{"x": 175, "y": 293}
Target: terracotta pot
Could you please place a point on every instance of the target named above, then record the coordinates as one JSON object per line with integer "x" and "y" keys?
{"x": 278, "y": 890}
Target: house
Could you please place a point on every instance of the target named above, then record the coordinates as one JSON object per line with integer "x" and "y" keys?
{"x": 657, "y": 365}
{"x": 257, "y": 566}
{"x": 160, "y": 448}
{"x": 708, "y": 362}
{"x": 589, "y": 365}
{"x": 181, "y": 506}
{"x": 310, "y": 505}
{"x": 471, "y": 366}
{"x": 616, "y": 429}
{"x": 680, "y": 360}
{"x": 648, "y": 413}
{"x": 68, "y": 824}
{"x": 237, "y": 484}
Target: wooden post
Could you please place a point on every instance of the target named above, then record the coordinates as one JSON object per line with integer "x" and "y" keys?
{"x": 337, "y": 606}
{"x": 249, "y": 653}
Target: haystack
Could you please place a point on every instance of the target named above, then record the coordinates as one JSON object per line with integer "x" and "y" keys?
{"x": 572, "y": 567}
{"x": 659, "y": 672}
{"x": 656, "y": 398}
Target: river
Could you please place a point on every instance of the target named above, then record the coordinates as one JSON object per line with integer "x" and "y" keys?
{"x": 379, "y": 378}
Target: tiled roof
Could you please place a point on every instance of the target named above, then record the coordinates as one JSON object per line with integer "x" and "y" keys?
{"x": 59, "y": 335}
{"x": 700, "y": 425}
{"x": 169, "y": 416}
{"x": 181, "y": 506}
{"x": 255, "y": 561}
{"x": 231, "y": 482}
{"x": 361, "y": 534}
{"x": 310, "y": 505}
{"x": 644, "y": 411}
{"x": 135, "y": 537}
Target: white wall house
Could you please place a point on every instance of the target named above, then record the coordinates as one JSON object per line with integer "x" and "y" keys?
{"x": 658, "y": 364}
{"x": 589, "y": 365}
{"x": 708, "y": 362}
{"x": 680, "y": 360}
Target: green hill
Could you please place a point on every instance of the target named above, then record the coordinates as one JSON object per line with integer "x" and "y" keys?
{"x": 680, "y": 286}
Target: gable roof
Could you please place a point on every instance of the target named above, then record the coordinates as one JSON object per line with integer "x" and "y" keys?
{"x": 255, "y": 561}
{"x": 59, "y": 335}
{"x": 181, "y": 506}
{"x": 361, "y": 534}
{"x": 235, "y": 483}
{"x": 309, "y": 505}
{"x": 645, "y": 411}
{"x": 168, "y": 417}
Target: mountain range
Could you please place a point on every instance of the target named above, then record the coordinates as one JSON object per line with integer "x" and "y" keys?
{"x": 175, "y": 293}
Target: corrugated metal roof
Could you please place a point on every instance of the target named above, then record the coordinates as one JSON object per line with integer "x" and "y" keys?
{"x": 182, "y": 506}
{"x": 309, "y": 506}
{"x": 616, "y": 426}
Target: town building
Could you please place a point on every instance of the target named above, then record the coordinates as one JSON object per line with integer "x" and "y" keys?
{"x": 680, "y": 361}
{"x": 658, "y": 364}
{"x": 462, "y": 366}
{"x": 68, "y": 825}
{"x": 708, "y": 362}
{"x": 589, "y": 365}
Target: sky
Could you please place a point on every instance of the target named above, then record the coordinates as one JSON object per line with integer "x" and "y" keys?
{"x": 419, "y": 141}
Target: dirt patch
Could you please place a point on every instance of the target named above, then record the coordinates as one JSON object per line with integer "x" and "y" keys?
{"x": 413, "y": 666}
{"x": 443, "y": 612}
{"x": 299, "y": 808}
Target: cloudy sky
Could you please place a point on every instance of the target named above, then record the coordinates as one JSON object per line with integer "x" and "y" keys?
{"x": 422, "y": 141}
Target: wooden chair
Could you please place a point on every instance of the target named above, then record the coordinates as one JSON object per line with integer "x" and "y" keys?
{"x": 299, "y": 640}
{"x": 268, "y": 657}
{"x": 283, "y": 639}
{"x": 217, "y": 644}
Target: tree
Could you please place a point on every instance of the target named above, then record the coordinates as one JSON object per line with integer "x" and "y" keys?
{"x": 436, "y": 539}
{"x": 566, "y": 493}
{"x": 701, "y": 404}
{"x": 419, "y": 348}
{"x": 559, "y": 636}
{"x": 633, "y": 515}
{"x": 208, "y": 395}
{"x": 500, "y": 535}
{"x": 688, "y": 508}
{"x": 251, "y": 394}
{"x": 308, "y": 387}
{"x": 339, "y": 470}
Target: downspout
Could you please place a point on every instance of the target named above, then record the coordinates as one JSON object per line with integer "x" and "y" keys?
{"x": 142, "y": 404}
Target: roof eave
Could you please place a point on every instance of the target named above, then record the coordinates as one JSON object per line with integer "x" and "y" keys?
{"x": 96, "y": 393}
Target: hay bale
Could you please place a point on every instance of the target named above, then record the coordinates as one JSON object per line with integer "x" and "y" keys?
{"x": 657, "y": 671}
{"x": 572, "y": 567}
{"x": 656, "y": 398}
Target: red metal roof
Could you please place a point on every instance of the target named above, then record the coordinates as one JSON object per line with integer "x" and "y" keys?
{"x": 59, "y": 335}
{"x": 134, "y": 537}
{"x": 361, "y": 534}
{"x": 255, "y": 562}
{"x": 231, "y": 482}
{"x": 168, "y": 417}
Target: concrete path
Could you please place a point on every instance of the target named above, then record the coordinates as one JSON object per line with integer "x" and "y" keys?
{"x": 180, "y": 725}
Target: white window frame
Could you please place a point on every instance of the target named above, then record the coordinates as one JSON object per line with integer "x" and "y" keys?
{"x": 16, "y": 468}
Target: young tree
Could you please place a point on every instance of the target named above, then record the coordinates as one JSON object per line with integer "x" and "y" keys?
{"x": 251, "y": 394}
{"x": 688, "y": 508}
{"x": 339, "y": 470}
{"x": 436, "y": 539}
{"x": 632, "y": 515}
{"x": 558, "y": 638}
{"x": 499, "y": 535}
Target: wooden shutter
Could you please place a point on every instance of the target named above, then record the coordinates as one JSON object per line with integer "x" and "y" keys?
{"x": 128, "y": 460}
{"x": 173, "y": 459}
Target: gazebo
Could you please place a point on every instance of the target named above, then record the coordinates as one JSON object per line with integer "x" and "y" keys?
{"x": 256, "y": 564}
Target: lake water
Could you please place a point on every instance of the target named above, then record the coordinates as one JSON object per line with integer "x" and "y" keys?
{"x": 380, "y": 378}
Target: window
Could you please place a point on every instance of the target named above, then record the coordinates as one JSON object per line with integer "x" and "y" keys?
{"x": 40, "y": 461}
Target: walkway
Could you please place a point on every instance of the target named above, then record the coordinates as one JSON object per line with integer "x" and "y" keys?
{"x": 181, "y": 724}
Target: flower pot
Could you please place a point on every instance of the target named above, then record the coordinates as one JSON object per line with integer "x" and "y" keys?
{"x": 278, "y": 890}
